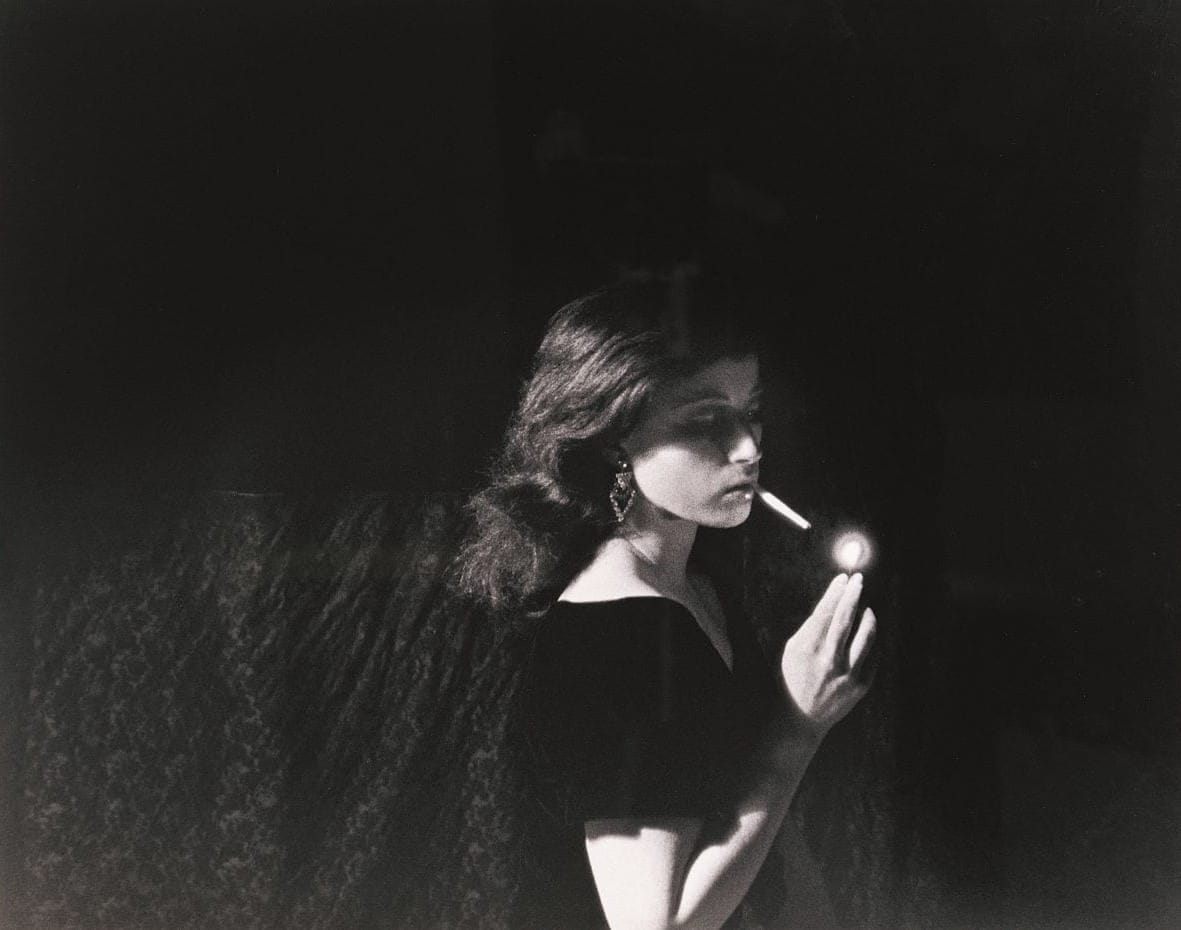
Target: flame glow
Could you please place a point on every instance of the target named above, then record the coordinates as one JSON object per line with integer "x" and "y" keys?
{"x": 851, "y": 551}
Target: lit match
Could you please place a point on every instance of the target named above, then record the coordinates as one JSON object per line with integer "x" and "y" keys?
{"x": 852, "y": 551}
{"x": 775, "y": 505}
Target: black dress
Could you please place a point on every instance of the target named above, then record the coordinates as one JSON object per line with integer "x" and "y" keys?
{"x": 629, "y": 711}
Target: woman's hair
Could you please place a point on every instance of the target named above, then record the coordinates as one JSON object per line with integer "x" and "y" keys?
{"x": 545, "y": 509}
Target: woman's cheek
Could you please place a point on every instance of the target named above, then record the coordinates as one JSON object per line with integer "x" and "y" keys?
{"x": 671, "y": 482}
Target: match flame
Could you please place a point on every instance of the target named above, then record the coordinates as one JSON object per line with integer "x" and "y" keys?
{"x": 851, "y": 551}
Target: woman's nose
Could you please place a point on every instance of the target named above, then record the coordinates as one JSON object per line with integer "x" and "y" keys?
{"x": 746, "y": 443}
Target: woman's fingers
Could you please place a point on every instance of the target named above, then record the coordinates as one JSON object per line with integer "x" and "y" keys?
{"x": 859, "y": 646}
{"x": 842, "y": 618}
{"x": 821, "y": 616}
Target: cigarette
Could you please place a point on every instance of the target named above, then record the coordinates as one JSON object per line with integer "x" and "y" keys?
{"x": 774, "y": 504}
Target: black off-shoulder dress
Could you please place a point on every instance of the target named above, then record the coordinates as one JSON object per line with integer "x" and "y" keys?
{"x": 628, "y": 711}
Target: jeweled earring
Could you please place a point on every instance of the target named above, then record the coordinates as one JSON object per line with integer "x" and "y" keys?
{"x": 623, "y": 491}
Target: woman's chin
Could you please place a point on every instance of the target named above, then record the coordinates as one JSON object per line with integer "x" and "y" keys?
{"x": 728, "y": 517}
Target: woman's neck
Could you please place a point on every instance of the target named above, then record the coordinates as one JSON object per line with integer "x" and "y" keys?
{"x": 648, "y": 554}
{"x": 660, "y": 546}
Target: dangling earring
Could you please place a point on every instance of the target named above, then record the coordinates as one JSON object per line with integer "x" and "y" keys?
{"x": 623, "y": 491}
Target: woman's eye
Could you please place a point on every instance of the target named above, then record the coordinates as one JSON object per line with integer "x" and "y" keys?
{"x": 705, "y": 418}
{"x": 720, "y": 419}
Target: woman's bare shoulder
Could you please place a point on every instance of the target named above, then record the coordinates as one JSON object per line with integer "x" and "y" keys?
{"x": 606, "y": 579}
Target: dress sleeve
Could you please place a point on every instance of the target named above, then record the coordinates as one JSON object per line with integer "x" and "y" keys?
{"x": 627, "y": 712}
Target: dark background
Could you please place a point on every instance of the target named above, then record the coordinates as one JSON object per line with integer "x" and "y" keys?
{"x": 269, "y": 247}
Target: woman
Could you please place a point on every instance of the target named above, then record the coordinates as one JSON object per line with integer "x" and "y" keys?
{"x": 664, "y": 751}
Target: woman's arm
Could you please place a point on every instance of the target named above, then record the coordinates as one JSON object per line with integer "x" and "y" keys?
{"x": 655, "y": 874}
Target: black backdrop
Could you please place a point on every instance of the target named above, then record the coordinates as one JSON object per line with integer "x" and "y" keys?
{"x": 292, "y": 247}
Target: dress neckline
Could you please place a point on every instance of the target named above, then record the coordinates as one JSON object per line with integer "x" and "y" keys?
{"x": 730, "y": 665}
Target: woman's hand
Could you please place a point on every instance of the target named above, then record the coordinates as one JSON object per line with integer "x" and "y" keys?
{"x": 823, "y": 664}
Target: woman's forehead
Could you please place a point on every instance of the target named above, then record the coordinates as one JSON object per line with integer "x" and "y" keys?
{"x": 728, "y": 378}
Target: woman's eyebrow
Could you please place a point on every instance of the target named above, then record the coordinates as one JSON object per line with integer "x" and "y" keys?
{"x": 699, "y": 395}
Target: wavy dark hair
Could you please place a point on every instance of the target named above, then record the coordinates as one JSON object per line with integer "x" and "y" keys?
{"x": 545, "y": 508}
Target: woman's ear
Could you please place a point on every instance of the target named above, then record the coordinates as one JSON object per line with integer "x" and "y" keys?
{"x": 614, "y": 455}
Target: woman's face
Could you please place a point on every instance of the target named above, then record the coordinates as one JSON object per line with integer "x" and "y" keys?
{"x": 695, "y": 455}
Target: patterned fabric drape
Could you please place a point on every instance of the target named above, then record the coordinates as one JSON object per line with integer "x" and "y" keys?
{"x": 259, "y": 711}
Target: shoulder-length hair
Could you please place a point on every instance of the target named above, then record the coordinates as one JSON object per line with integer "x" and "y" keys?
{"x": 545, "y": 509}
